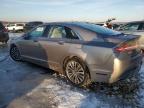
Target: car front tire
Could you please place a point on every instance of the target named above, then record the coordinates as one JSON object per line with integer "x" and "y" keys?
{"x": 15, "y": 54}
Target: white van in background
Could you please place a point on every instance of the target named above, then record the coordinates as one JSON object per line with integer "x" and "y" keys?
{"x": 15, "y": 27}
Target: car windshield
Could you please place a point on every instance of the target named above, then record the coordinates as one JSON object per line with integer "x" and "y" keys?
{"x": 99, "y": 29}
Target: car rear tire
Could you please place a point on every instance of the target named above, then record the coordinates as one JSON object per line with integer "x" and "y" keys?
{"x": 77, "y": 72}
{"x": 15, "y": 54}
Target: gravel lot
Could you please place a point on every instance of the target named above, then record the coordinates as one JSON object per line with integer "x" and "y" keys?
{"x": 25, "y": 85}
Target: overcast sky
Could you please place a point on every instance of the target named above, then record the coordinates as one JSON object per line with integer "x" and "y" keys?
{"x": 71, "y": 10}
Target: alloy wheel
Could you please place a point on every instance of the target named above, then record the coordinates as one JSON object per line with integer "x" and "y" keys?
{"x": 75, "y": 72}
{"x": 15, "y": 54}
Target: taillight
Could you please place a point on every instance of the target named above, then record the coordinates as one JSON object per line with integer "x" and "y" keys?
{"x": 125, "y": 48}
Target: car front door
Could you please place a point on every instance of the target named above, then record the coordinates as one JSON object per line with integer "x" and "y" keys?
{"x": 30, "y": 47}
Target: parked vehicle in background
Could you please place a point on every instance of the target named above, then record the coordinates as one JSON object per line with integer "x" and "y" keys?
{"x": 83, "y": 52}
{"x": 30, "y": 25}
{"x": 135, "y": 28}
{"x": 114, "y": 25}
{"x": 15, "y": 27}
{"x": 4, "y": 37}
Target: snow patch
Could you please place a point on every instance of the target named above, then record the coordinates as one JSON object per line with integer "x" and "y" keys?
{"x": 3, "y": 57}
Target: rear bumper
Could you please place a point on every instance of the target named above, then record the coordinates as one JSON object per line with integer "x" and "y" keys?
{"x": 141, "y": 42}
{"x": 123, "y": 70}
{"x": 99, "y": 75}
{"x": 131, "y": 72}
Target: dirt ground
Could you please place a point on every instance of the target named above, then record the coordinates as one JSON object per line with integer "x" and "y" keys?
{"x": 25, "y": 85}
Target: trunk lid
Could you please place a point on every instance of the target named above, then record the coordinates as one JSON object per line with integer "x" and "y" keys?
{"x": 120, "y": 38}
{"x": 125, "y": 44}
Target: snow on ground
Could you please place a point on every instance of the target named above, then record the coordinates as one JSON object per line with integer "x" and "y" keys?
{"x": 24, "y": 85}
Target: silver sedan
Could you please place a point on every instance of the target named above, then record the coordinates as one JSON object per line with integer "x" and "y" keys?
{"x": 83, "y": 52}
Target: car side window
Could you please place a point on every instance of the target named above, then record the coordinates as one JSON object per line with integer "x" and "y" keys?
{"x": 57, "y": 32}
{"x": 70, "y": 34}
{"x": 38, "y": 32}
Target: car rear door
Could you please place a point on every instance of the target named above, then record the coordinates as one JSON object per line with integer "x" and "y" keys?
{"x": 56, "y": 46}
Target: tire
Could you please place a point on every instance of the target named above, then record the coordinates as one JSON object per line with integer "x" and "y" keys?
{"x": 15, "y": 54}
{"x": 77, "y": 72}
{"x": 13, "y": 30}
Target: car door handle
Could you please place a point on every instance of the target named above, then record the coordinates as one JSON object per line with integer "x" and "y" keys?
{"x": 61, "y": 42}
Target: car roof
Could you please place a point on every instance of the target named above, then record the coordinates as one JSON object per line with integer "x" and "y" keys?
{"x": 88, "y": 26}
{"x": 72, "y": 24}
{"x": 66, "y": 23}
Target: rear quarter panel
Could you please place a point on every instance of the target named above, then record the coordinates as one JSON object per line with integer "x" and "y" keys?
{"x": 100, "y": 62}
{"x": 99, "y": 56}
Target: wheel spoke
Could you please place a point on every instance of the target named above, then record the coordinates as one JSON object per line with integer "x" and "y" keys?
{"x": 81, "y": 77}
{"x": 70, "y": 67}
{"x": 72, "y": 77}
{"x": 73, "y": 64}
{"x": 76, "y": 79}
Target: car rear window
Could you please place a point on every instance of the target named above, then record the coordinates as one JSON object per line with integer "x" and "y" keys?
{"x": 1, "y": 26}
{"x": 99, "y": 29}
